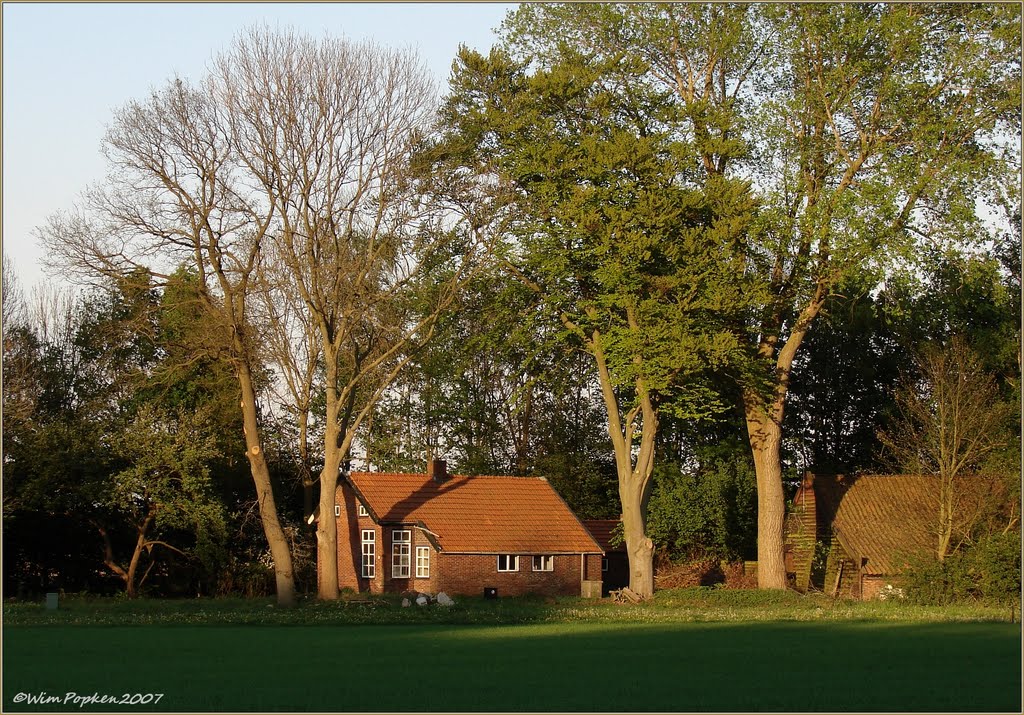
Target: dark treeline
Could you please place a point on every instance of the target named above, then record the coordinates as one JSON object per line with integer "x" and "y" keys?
{"x": 668, "y": 256}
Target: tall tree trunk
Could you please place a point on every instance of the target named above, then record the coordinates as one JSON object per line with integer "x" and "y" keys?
{"x": 634, "y": 470}
{"x": 639, "y": 547}
{"x": 327, "y": 528}
{"x": 279, "y": 550}
{"x": 765, "y": 436}
{"x": 764, "y": 433}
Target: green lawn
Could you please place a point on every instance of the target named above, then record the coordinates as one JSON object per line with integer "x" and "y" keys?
{"x": 698, "y": 650}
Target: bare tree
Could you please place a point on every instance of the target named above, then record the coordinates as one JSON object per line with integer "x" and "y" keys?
{"x": 176, "y": 195}
{"x": 12, "y": 297}
{"x": 951, "y": 419}
{"x": 326, "y": 128}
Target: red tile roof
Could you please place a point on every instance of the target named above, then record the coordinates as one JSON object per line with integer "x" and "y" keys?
{"x": 883, "y": 518}
{"x": 491, "y": 515}
{"x": 601, "y": 530}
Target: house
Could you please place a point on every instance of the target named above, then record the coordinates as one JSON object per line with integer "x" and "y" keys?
{"x": 476, "y": 535}
{"x": 851, "y": 535}
{"x": 615, "y": 563}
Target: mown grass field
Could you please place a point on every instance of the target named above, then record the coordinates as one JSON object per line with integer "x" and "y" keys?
{"x": 688, "y": 651}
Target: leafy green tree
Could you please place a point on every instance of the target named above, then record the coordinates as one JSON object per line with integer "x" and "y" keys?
{"x": 883, "y": 122}
{"x": 164, "y": 486}
{"x": 96, "y": 362}
{"x": 630, "y": 257}
{"x": 861, "y": 128}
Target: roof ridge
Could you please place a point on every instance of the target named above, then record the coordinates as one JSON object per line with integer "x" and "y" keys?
{"x": 450, "y": 476}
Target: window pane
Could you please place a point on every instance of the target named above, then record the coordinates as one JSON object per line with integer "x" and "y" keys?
{"x": 401, "y": 553}
{"x": 369, "y": 560}
{"x": 508, "y": 562}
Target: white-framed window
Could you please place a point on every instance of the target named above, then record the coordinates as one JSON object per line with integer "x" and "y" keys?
{"x": 337, "y": 509}
{"x": 508, "y": 562}
{"x": 543, "y": 563}
{"x": 604, "y": 563}
{"x": 369, "y": 553}
{"x": 401, "y": 543}
{"x": 422, "y": 562}
{"x": 362, "y": 511}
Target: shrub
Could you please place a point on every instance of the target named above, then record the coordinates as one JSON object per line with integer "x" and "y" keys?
{"x": 707, "y": 511}
{"x": 930, "y": 582}
{"x": 996, "y": 566}
{"x": 990, "y": 571}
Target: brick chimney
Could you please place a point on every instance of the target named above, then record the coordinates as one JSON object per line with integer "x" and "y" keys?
{"x": 437, "y": 469}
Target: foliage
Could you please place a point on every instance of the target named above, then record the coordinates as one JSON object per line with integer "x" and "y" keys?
{"x": 842, "y": 383}
{"x": 114, "y": 446}
{"x": 989, "y": 571}
{"x": 706, "y": 510}
{"x": 165, "y": 488}
{"x": 997, "y": 567}
{"x": 632, "y": 260}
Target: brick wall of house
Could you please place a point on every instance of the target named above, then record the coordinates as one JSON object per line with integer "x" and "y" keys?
{"x": 350, "y": 528}
{"x": 349, "y": 540}
{"x": 469, "y": 574}
{"x": 871, "y": 585}
{"x": 592, "y": 568}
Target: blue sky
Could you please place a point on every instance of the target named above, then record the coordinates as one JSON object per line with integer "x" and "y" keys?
{"x": 67, "y": 67}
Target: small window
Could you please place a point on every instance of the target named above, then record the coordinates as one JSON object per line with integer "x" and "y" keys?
{"x": 369, "y": 553}
{"x": 422, "y": 562}
{"x": 401, "y": 543}
{"x": 543, "y": 563}
{"x": 362, "y": 511}
{"x": 337, "y": 509}
{"x": 508, "y": 562}
{"x": 604, "y": 563}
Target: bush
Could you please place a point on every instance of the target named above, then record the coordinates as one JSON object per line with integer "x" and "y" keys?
{"x": 707, "y": 512}
{"x": 988, "y": 571}
{"x": 930, "y": 582}
{"x": 996, "y": 565}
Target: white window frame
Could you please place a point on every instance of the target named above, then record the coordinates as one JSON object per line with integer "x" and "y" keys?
{"x": 362, "y": 511}
{"x": 337, "y": 510}
{"x": 546, "y": 563}
{"x": 604, "y": 563}
{"x": 511, "y": 563}
{"x": 368, "y": 565}
{"x": 422, "y": 562}
{"x": 401, "y": 553}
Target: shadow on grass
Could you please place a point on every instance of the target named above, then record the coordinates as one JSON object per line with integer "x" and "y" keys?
{"x": 565, "y": 667}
